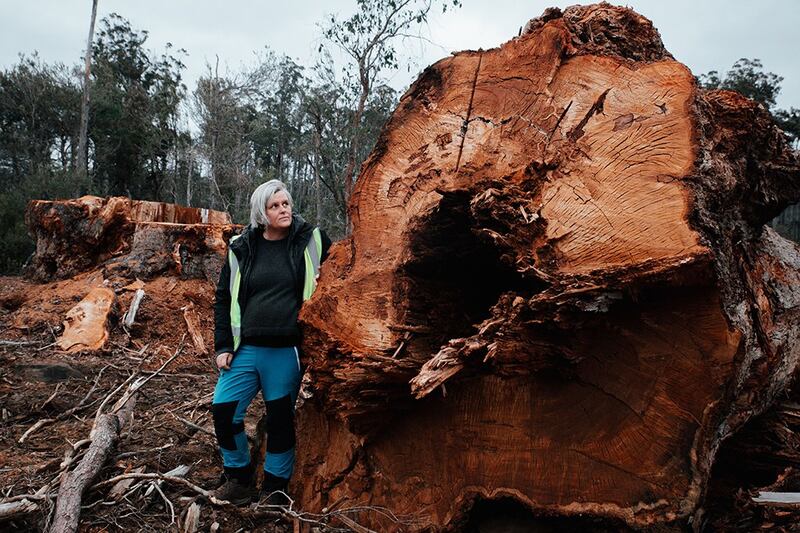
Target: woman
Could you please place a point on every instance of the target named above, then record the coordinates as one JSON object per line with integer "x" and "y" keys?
{"x": 271, "y": 269}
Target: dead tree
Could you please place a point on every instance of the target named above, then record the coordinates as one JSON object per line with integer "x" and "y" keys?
{"x": 81, "y": 162}
{"x": 559, "y": 290}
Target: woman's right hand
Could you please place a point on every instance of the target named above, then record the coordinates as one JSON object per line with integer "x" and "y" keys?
{"x": 224, "y": 361}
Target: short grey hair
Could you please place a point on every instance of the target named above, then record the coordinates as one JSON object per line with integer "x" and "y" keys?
{"x": 259, "y": 199}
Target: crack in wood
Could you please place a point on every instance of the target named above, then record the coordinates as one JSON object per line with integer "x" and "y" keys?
{"x": 626, "y": 405}
{"x": 619, "y": 468}
{"x": 558, "y": 123}
{"x": 351, "y": 465}
{"x": 485, "y": 120}
{"x": 597, "y": 107}
{"x": 465, "y": 124}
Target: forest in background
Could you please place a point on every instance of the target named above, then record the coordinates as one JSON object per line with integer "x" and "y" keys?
{"x": 151, "y": 137}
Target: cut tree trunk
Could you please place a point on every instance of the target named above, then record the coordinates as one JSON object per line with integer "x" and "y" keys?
{"x": 131, "y": 237}
{"x": 559, "y": 291}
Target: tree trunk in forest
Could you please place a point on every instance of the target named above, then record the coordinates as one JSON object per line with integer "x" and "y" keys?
{"x": 317, "y": 184}
{"x": 82, "y": 164}
{"x": 559, "y": 290}
{"x": 190, "y": 169}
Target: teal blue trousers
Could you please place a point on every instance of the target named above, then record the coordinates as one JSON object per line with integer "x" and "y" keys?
{"x": 276, "y": 373}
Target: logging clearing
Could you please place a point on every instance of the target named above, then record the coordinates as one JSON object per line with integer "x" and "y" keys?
{"x": 560, "y": 307}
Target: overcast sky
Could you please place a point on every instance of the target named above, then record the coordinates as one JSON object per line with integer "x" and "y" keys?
{"x": 703, "y": 34}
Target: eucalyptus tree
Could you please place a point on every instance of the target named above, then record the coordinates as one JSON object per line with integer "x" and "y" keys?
{"x": 134, "y": 108}
{"x": 368, "y": 38}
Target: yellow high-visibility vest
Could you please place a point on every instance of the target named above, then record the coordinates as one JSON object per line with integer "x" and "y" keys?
{"x": 312, "y": 254}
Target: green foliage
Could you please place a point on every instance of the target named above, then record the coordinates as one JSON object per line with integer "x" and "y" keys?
{"x": 368, "y": 36}
{"x": 39, "y": 111}
{"x": 748, "y": 78}
{"x": 789, "y": 122}
{"x": 133, "y": 115}
{"x": 310, "y": 127}
{"x": 279, "y": 120}
{"x": 15, "y": 243}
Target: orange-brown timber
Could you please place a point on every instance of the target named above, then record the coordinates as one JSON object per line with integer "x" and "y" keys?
{"x": 128, "y": 237}
{"x": 557, "y": 291}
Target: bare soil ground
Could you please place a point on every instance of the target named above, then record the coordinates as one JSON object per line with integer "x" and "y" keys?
{"x": 172, "y": 424}
{"x": 38, "y": 382}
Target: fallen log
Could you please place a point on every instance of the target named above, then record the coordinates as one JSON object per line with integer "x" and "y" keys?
{"x": 569, "y": 233}
{"x": 103, "y": 437}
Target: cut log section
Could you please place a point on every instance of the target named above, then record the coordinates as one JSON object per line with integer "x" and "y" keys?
{"x": 85, "y": 324}
{"x": 567, "y": 234}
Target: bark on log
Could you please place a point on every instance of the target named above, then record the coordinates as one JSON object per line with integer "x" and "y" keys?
{"x": 105, "y": 435}
{"x": 570, "y": 234}
{"x": 72, "y": 236}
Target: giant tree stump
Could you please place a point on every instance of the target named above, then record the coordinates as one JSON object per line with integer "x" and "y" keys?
{"x": 132, "y": 238}
{"x": 558, "y": 290}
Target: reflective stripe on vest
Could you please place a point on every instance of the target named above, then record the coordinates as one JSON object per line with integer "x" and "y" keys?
{"x": 235, "y": 282}
{"x": 312, "y": 255}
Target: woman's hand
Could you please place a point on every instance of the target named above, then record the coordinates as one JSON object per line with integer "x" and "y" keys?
{"x": 224, "y": 361}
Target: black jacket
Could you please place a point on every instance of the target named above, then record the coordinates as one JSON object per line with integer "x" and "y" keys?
{"x": 244, "y": 249}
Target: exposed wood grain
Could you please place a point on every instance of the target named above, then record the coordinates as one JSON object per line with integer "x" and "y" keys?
{"x": 572, "y": 230}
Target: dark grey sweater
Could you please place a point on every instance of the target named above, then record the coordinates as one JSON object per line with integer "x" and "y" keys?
{"x": 270, "y": 315}
{"x": 244, "y": 248}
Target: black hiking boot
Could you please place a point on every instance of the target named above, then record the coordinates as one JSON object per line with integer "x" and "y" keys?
{"x": 235, "y": 485}
{"x": 235, "y": 492}
{"x": 274, "y": 489}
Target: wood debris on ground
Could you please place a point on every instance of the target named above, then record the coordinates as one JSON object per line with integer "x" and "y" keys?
{"x": 559, "y": 308}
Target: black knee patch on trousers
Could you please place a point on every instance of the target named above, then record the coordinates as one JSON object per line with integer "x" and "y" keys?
{"x": 223, "y": 424}
{"x": 280, "y": 425}
{"x": 272, "y": 483}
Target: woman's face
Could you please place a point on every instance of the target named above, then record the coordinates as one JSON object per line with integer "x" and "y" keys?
{"x": 279, "y": 212}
